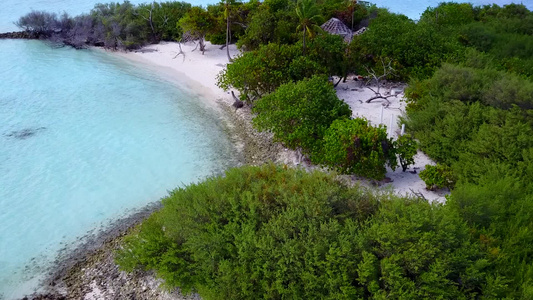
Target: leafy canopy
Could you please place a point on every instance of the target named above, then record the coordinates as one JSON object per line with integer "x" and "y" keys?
{"x": 273, "y": 232}
{"x": 298, "y": 114}
{"x": 353, "y": 146}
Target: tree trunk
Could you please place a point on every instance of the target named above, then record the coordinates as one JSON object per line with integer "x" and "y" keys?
{"x": 202, "y": 45}
{"x": 303, "y": 38}
{"x": 152, "y": 23}
{"x": 228, "y": 35}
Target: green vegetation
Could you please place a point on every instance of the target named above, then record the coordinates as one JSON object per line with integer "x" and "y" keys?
{"x": 260, "y": 72}
{"x": 197, "y": 22}
{"x": 300, "y": 113}
{"x": 406, "y": 148}
{"x": 309, "y": 18}
{"x": 437, "y": 177}
{"x": 308, "y": 116}
{"x": 355, "y": 147}
{"x": 474, "y": 117}
{"x": 271, "y": 232}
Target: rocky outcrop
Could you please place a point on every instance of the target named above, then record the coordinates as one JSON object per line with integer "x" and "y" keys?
{"x": 27, "y": 35}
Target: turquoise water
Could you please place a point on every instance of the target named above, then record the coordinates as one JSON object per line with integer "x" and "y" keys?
{"x": 84, "y": 137}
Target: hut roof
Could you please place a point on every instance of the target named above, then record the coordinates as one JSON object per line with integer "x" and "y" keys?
{"x": 335, "y": 26}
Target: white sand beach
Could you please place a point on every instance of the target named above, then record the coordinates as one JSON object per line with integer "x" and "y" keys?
{"x": 191, "y": 69}
{"x": 198, "y": 73}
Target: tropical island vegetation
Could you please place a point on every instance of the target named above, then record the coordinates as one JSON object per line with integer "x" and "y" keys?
{"x": 272, "y": 232}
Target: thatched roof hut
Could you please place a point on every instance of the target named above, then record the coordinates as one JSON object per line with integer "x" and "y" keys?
{"x": 336, "y": 26}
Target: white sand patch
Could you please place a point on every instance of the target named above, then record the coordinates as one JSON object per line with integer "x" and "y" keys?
{"x": 380, "y": 112}
{"x": 197, "y": 73}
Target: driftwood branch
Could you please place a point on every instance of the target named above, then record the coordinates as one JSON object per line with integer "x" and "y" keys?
{"x": 386, "y": 98}
{"x": 378, "y": 80}
{"x": 418, "y": 194}
{"x": 238, "y": 103}
{"x": 336, "y": 84}
{"x": 181, "y": 52}
{"x": 241, "y": 24}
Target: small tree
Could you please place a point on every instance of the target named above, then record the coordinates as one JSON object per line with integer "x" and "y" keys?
{"x": 257, "y": 73}
{"x": 197, "y": 22}
{"x": 405, "y": 148}
{"x": 300, "y": 113}
{"x": 353, "y": 146}
{"x": 40, "y": 22}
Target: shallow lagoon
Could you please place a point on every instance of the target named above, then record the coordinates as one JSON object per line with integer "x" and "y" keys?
{"x": 86, "y": 137}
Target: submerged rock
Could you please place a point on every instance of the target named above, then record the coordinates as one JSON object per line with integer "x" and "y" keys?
{"x": 24, "y": 133}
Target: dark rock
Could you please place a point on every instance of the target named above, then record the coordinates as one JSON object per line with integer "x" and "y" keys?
{"x": 238, "y": 104}
{"x": 28, "y": 35}
{"x": 24, "y": 133}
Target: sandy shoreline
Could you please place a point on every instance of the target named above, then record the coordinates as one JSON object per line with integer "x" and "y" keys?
{"x": 191, "y": 70}
{"x": 89, "y": 271}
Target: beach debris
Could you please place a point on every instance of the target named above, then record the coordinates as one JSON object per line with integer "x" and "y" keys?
{"x": 418, "y": 194}
{"x": 238, "y": 103}
{"x": 376, "y": 82}
{"x": 181, "y": 52}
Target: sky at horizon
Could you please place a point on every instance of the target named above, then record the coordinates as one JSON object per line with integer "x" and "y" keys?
{"x": 13, "y": 9}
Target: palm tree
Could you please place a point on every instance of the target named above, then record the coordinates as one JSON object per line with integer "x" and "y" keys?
{"x": 309, "y": 16}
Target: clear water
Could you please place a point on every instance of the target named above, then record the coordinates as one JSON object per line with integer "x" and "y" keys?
{"x": 85, "y": 136}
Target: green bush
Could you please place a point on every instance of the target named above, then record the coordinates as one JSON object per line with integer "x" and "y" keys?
{"x": 353, "y": 146}
{"x": 277, "y": 233}
{"x": 260, "y": 72}
{"x": 405, "y": 147}
{"x": 257, "y": 232}
{"x": 257, "y": 73}
{"x": 437, "y": 177}
{"x": 216, "y": 38}
{"x": 298, "y": 114}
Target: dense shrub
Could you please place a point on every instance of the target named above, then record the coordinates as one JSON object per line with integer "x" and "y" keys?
{"x": 477, "y": 120}
{"x": 256, "y": 232}
{"x": 353, "y": 146}
{"x": 274, "y": 22}
{"x": 112, "y": 25}
{"x": 272, "y": 232}
{"x": 39, "y": 21}
{"x": 417, "y": 49}
{"x": 437, "y": 177}
{"x": 498, "y": 208}
{"x": 259, "y": 72}
{"x": 298, "y": 114}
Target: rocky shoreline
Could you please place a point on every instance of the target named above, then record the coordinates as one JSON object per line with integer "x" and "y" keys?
{"x": 26, "y": 35}
{"x": 89, "y": 271}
